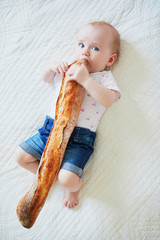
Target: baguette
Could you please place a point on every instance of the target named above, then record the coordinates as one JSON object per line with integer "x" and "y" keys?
{"x": 67, "y": 111}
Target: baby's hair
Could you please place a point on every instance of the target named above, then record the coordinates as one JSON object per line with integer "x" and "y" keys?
{"x": 116, "y": 41}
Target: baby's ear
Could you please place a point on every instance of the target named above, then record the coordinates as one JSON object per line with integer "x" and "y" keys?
{"x": 112, "y": 59}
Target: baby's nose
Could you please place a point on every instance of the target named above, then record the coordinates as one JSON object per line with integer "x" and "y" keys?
{"x": 85, "y": 53}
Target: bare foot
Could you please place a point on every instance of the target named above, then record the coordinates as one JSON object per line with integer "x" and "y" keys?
{"x": 71, "y": 199}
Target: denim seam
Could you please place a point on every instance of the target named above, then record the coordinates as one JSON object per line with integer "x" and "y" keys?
{"x": 88, "y": 153}
{"x": 76, "y": 137}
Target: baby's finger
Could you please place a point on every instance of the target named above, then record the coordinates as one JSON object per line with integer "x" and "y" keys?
{"x": 61, "y": 70}
{"x": 71, "y": 77}
{"x": 64, "y": 66}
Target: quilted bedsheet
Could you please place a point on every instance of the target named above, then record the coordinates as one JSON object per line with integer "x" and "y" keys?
{"x": 120, "y": 197}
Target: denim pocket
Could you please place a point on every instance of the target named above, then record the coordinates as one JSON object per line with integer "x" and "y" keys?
{"x": 86, "y": 139}
{"x": 45, "y": 123}
{"x": 48, "y": 123}
{"x": 45, "y": 130}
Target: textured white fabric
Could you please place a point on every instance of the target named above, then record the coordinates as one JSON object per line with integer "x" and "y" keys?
{"x": 91, "y": 111}
{"x": 120, "y": 198}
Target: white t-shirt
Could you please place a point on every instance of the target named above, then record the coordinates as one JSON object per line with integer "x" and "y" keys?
{"x": 91, "y": 111}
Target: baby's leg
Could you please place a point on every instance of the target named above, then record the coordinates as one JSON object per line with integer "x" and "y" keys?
{"x": 26, "y": 160}
{"x": 72, "y": 182}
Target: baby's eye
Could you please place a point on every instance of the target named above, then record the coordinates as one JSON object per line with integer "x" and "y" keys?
{"x": 95, "y": 48}
{"x": 81, "y": 45}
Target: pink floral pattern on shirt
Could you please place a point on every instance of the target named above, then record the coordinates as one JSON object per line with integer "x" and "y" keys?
{"x": 92, "y": 111}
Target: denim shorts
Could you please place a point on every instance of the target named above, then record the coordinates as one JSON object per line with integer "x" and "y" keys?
{"x": 78, "y": 150}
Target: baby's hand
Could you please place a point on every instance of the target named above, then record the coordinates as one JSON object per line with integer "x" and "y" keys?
{"x": 79, "y": 73}
{"x": 61, "y": 68}
{"x": 49, "y": 70}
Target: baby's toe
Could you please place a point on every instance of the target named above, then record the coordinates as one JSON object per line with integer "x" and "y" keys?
{"x": 66, "y": 203}
{"x": 70, "y": 205}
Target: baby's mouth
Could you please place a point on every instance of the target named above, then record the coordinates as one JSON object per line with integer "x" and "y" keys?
{"x": 86, "y": 63}
{"x": 85, "y": 58}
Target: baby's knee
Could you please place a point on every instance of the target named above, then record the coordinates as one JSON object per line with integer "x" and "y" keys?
{"x": 68, "y": 179}
{"x": 20, "y": 156}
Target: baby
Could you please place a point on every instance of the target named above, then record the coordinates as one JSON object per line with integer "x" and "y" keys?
{"x": 98, "y": 43}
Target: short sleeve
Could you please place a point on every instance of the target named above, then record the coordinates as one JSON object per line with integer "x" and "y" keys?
{"x": 109, "y": 82}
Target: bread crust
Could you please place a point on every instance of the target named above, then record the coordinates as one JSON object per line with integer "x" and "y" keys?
{"x": 67, "y": 111}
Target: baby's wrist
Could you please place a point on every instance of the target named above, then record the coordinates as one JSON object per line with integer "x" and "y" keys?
{"x": 87, "y": 82}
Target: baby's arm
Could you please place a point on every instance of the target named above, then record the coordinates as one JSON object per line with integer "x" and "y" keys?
{"x": 101, "y": 94}
{"x": 50, "y": 70}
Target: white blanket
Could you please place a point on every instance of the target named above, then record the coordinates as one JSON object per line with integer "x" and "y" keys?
{"x": 120, "y": 199}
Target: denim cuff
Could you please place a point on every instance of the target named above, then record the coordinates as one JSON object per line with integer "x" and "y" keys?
{"x": 73, "y": 168}
{"x": 27, "y": 148}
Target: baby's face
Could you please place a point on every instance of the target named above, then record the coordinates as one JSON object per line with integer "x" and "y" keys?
{"x": 94, "y": 44}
